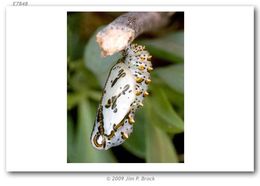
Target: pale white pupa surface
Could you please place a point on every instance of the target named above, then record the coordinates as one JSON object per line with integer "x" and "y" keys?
{"x": 124, "y": 91}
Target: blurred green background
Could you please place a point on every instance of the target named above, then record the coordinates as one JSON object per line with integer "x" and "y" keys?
{"x": 158, "y": 134}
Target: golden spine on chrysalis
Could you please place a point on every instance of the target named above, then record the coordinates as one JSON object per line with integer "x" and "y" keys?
{"x": 141, "y": 67}
{"x": 131, "y": 120}
{"x": 124, "y": 135}
{"x": 139, "y": 80}
{"x": 150, "y": 69}
{"x": 138, "y": 93}
{"x": 146, "y": 93}
{"x": 147, "y": 81}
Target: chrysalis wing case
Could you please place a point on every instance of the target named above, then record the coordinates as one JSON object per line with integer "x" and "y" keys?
{"x": 125, "y": 89}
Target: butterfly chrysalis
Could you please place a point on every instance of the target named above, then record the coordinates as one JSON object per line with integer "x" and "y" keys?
{"x": 124, "y": 91}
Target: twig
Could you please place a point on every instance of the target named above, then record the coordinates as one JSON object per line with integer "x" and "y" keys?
{"x": 124, "y": 29}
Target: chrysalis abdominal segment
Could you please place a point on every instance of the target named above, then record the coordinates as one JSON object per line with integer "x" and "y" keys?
{"x": 124, "y": 91}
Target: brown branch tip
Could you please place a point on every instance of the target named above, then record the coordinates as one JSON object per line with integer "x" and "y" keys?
{"x": 124, "y": 29}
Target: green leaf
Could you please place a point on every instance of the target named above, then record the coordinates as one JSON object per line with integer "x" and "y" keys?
{"x": 94, "y": 95}
{"x": 80, "y": 78}
{"x": 100, "y": 66}
{"x": 85, "y": 152}
{"x": 173, "y": 76}
{"x": 136, "y": 142}
{"x": 73, "y": 99}
{"x": 169, "y": 47}
{"x": 176, "y": 99}
{"x": 75, "y": 46}
{"x": 164, "y": 115}
{"x": 159, "y": 148}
